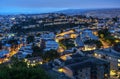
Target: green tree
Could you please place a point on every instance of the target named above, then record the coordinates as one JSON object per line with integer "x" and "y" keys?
{"x": 96, "y": 42}
{"x": 30, "y": 39}
{"x": 37, "y": 51}
{"x": 50, "y": 55}
{"x": 67, "y": 43}
{"x": 0, "y": 45}
{"x": 104, "y": 33}
{"x": 19, "y": 70}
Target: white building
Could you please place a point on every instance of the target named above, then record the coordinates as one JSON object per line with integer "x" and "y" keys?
{"x": 50, "y": 44}
{"x": 3, "y": 53}
{"x": 88, "y": 34}
{"x": 50, "y": 35}
{"x": 24, "y": 51}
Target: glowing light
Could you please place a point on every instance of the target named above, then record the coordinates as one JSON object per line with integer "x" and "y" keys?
{"x": 95, "y": 55}
{"x": 118, "y": 60}
{"x": 112, "y": 72}
{"x": 41, "y": 62}
{"x": 34, "y": 61}
{"x": 60, "y": 70}
{"x": 118, "y": 64}
{"x": 25, "y": 60}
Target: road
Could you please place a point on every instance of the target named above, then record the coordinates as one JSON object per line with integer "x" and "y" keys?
{"x": 11, "y": 53}
{"x": 105, "y": 45}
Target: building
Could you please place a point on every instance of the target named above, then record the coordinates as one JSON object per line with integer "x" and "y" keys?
{"x": 78, "y": 42}
{"x": 111, "y": 56}
{"x": 3, "y": 53}
{"x": 87, "y": 35}
{"x": 7, "y": 47}
{"x": 50, "y": 44}
{"x": 89, "y": 68}
{"x": 50, "y": 35}
{"x": 82, "y": 67}
{"x": 24, "y": 51}
{"x": 34, "y": 61}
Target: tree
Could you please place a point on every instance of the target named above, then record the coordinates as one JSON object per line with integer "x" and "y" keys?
{"x": 103, "y": 33}
{"x": 18, "y": 70}
{"x": 62, "y": 45}
{"x": 50, "y": 55}
{"x": 38, "y": 34}
{"x": 37, "y": 51}
{"x": 96, "y": 42}
{"x": 14, "y": 43}
{"x": 116, "y": 47}
{"x": 30, "y": 39}
{"x": 67, "y": 43}
{"x": 0, "y": 45}
{"x": 115, "y": 19}
{"x": 106, "y": 36}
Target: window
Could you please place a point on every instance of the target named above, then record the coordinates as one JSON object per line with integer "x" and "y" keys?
{"x": 118, "y": 64}
{"x": 118, "y": 60}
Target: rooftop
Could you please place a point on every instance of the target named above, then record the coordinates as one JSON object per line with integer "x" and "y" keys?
{"x": 108, "y": 52}
{"x": 83, "y": 62}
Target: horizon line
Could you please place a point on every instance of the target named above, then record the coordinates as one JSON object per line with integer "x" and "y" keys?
{"x": 19, "y": 13}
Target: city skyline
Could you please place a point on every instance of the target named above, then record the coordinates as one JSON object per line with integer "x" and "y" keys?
{"x": 38, "y": 6}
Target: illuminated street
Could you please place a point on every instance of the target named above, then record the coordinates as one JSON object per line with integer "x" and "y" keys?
{"x": 8, "y": 57}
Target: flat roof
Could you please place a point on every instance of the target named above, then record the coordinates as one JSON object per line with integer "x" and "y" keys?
{"x": 110, "y": 53}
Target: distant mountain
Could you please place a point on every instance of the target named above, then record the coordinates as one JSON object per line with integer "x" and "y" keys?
{"x": 72, "y": 11}
{"x": 93, "y": 12}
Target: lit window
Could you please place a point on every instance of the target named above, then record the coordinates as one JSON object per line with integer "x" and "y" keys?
{"x": 110, "y": 58}
{"x": 106, "y": 75}
{"x": 118, "y": 60}
{"x": 60, "y": 70}
{"x": 99, "y": 55}
{"x": 95, "y": 54}
{"x": 41, "y": 62}
{"x": 34, "y": 61}
{"x": 118, "y": 64}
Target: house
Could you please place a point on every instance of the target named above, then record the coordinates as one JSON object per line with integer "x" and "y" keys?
{"x": 109, "y": 55}
{"x": 7, "y": 47}
{"x": 50, "y": 35}
{"x": 79, "y": 42}
{"x": 34, "y": 61}
{"x": 81, "y": 67}
{"x": 24, "y": 51}
{"x": 3, "y": 53}
{"x": 88, "y": 34}
{"x": 83, "y": 37}
{"x": 50, "y": 44}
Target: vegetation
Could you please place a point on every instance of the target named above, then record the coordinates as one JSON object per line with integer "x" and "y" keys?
{"x": 104, "y": 33}
{"x": 0, "y": 45}
{"x": 63, "y": 46}
{"x": 19, "y": 28}
{"x": 96, "y": 42}
{"x": 50, "y": 55}
{"x": 46, "y": 56}
{"x": 67, "y": 43}
{"x": 37, "y": 51}
{"x": 30, "y": 39}
{"x": 19, "y": 70}
{"x": 14, "y": 43}
{"x": 106, "y": 36}
{"x": 115, "y": 19}
{"x": 117, "y": 47}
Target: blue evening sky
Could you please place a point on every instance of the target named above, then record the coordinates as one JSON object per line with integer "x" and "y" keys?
{"x": 40, "y": 6}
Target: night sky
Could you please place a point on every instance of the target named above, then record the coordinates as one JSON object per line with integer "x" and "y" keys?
{"x": 40, "y": 6}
